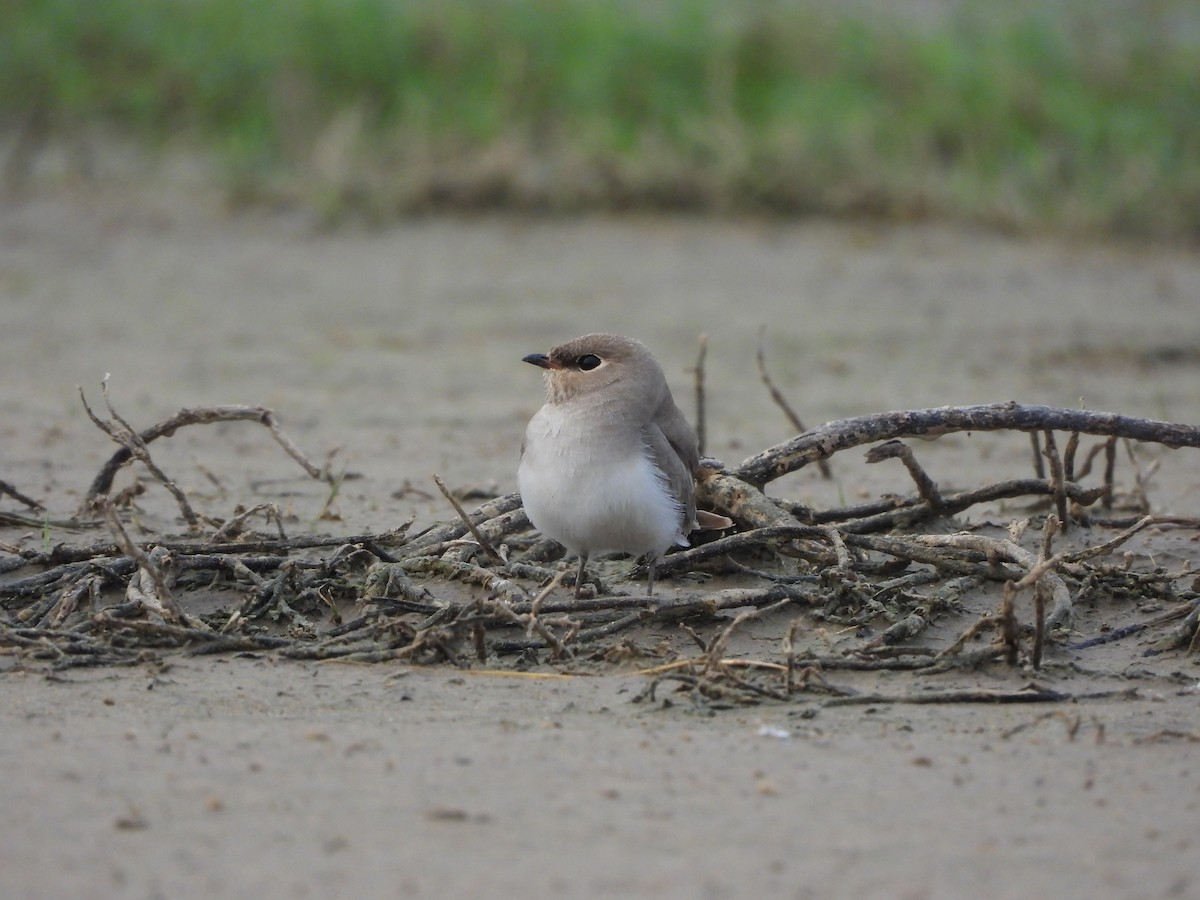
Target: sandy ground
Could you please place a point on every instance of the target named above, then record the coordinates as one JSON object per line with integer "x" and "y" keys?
{"x": 400, "y": 349}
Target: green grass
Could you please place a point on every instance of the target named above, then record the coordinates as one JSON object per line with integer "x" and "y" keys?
{"x": 1078, "y": 115}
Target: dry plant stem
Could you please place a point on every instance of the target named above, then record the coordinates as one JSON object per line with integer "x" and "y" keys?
{"x": 73, "y": 525}
{"x": 734, "y": 494}
{"x": 262, "y": 591}
{"x": 962, "y": 557}
{"x": 742, "y": 502}
{"x": 950, "y": 557}
{"x": 887, "y": 514}
{"x": 1110, "y": 464}
{"x": 70, "y": 555}
{"x": 144, "y": 590}
{"x": 826, "y": 440}
{"x": 1039, "y": 624}
{"x": 1167, "y": 733}
{"x": 583, "y": 636}
{"x": 1030, "y": 694}
{"x": 38, "y": 611}
{"x": 7, "y": 488}
{"x": 746, "y": 540}
{"x": 1054, "y": 562}
{"x": 1141, "y": 479}
{"x": 532, "y": 624}
{"x": 1039, "y": 462}
{"x": 1039, "y": 591}
{"x": 789, "y": 652}
{"x": 206, "y": 640}
{"x": 461, "y": 571}
{"x": 666, "y": 611}
{"x": 869, "y": 576}
{"x": 730, "y": 661}
{"x": 1008, "y": 551}
{"x": 36, "y": 585}
{"x": 845, "y": 564}
{"x": 728, "y": 675}
{"x": 911, "y": 626}
{"x": 421, "y": 544}
{"x": 729, "y": 598}
{"x": 1184, "y": 611}
{"x": 202, "y": 416}
{"x": 234, "y": 525}
{"x": 493, "y": 530}
{"x": 1010, "y": 629}
{"x": 716, "y": 648}
{"x": 898, "y": 632}
{"x": 926, "y": 486}
{"x": 781, "y": 401}
{"x": 1057, "y": 477}
{"x": 483, "y": 542}
{"x": 1069, "y": 457}
{"x": 1089, "y": 462}
{"x": 536, "y": 606}
{"x": 162, "y": 592}
{"x": 58, "y": 644}
{"x": 69, "y": 601}
{"x": 122, "y": 433}
{"x": 1072, "y": 724}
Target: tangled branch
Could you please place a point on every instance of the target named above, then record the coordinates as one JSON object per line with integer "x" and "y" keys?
{"x": 480, "y": 586}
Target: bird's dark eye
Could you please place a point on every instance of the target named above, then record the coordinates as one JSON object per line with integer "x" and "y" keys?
{"x": 587, "y": 362}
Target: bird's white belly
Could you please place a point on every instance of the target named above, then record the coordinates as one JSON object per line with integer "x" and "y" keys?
{"x": 592, "y": 496}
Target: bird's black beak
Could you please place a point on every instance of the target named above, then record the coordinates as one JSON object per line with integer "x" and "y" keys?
{"x": 539, "y": 359}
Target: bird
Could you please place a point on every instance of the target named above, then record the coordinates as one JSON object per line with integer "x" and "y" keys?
{"x": 609, "y": 462}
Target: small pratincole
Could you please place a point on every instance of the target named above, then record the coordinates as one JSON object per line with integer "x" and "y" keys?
{"x": 609, "y": 463}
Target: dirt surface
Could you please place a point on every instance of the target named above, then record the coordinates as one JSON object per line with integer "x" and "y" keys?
{"x": 245, "y": 775}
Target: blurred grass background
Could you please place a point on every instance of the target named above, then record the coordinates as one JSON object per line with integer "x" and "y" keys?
{"x": 1081, "y": 116}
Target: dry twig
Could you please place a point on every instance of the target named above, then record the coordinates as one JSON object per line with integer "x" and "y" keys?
{"x": 419, "y": 599}
{"x": 133, "y": 443}
{"x": 781, "y": 401}
{"x": 7, "y": 488}
{"x": 826, "y": 440}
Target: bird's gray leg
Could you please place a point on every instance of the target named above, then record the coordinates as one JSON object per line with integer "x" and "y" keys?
{"x": 579, "y": 577}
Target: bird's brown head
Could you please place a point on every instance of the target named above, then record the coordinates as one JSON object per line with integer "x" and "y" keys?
{"x": 595, "y": 362}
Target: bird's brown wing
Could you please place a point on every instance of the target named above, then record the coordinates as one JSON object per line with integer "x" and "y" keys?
{"x": 673, "y": 443}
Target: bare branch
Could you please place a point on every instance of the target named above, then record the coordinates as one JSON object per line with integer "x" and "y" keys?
{"x": 6, "y": 488}
{"x": 205, "y": 415}
{"x": 826, "y": 440}
{"x": 781, "y": 401}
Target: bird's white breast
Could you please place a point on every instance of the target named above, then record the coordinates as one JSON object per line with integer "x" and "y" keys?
{"x": 594, "y": 488}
